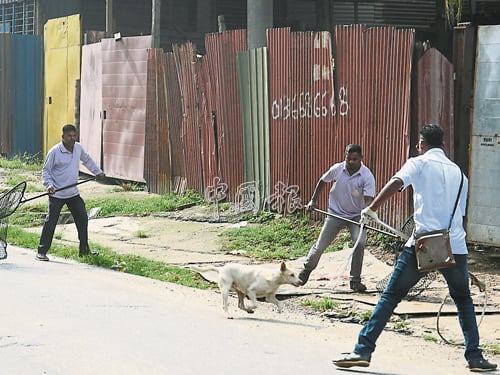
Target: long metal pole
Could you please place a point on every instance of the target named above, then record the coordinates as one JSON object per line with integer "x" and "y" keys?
{"x": 355, "y": 222}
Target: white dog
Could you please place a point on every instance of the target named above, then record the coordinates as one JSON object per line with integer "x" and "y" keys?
{"x": 252, "y": 281}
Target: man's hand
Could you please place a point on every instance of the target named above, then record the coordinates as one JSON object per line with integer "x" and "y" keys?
{"x": 368, "y": 214}
{"x": 51, "y": 190}
{"x": 311, "y": 205}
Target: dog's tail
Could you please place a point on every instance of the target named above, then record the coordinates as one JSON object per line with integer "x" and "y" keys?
{"x": 205, "y": 268}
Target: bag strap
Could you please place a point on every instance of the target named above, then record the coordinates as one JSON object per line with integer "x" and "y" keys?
{"x": 458, "y": 197}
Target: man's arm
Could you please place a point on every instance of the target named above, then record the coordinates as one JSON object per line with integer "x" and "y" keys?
{"x": 317, "y": 191}
{"x": 390, "y": 188}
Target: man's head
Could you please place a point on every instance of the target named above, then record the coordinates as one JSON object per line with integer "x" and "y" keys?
{"x": 431, "y": 136}
{"x": 353, "y": 157}
{"x": 69, "y": 136}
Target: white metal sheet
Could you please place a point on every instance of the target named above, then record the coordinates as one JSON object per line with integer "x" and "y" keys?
{"x": 483, "y": 218}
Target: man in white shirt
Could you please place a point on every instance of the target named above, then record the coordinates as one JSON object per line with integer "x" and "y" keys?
{"x": 61, "y": 169}
{"x": 436, "y": 181}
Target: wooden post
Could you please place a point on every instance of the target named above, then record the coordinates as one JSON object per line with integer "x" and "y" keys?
{"x": 155, "y": 23}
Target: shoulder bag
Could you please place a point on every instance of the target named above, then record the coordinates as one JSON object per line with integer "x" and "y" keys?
{"x": 433, "y": 249}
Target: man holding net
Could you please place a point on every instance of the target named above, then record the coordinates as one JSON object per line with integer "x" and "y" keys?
{"x": 61, "y": 169}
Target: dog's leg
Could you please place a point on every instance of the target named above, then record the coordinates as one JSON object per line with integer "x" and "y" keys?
{"x": 253, "y": 299}
{"x": 272, "y": 298}
{"x": 241, "y": 301}
{"x": 225, "y": 296}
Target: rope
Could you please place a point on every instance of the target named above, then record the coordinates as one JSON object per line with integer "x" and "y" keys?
{"x": 482, "y": 288}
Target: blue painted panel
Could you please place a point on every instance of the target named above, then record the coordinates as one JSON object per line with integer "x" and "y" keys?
{"x": 27, "y": 63}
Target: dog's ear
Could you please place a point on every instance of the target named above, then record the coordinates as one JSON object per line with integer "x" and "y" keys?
{"x": 283, "y": 266}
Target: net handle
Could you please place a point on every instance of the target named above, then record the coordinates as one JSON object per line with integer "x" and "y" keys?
{"x": 63, "y": 188}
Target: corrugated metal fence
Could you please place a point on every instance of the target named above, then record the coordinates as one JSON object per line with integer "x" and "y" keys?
{"x": 20, "y": 94}
{"x": 315, "y": 100}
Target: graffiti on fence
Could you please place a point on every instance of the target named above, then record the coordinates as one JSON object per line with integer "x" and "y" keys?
{"x": 247, "y": 197}
{"x": 285, "y": 199}
{"x": 306, "y": 104}
{"x": 216, "y": 193}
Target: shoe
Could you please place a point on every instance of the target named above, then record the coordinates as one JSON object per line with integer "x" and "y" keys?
{"x": 357, "y": 286}
{"x": 304, "y": 276}
{"x": 481, "y": 365}
{"x": 41, "y": 257}
{"x": 353, "y": 359}
{"x": 88, "y": 252}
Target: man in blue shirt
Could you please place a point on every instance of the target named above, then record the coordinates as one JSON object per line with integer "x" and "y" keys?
{"x": 352, "y": 190}
{"x": 60, "y": 169}
{"x": 435, "y": 180}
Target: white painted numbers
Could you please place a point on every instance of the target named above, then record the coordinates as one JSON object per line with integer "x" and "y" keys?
{"x": 307, "y": 105}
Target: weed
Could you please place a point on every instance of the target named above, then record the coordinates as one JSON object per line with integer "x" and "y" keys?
{"x": 323, "y": 304}
{"x": 141, "y": 234}
{"x": 430, "y": 338}
{"x": 491, "y": 348}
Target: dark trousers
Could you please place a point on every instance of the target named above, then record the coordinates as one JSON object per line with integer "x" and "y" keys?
{"x": 76, "y": 206}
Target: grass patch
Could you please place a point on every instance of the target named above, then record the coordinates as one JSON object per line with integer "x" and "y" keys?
{"x": 322, "y": 305}
{"x": 144, "y": 206}
{"x": 279, "y": 237}
{"x": 491, "y": 348}
{"x": 141, "y": 234}
{"x": 107, "y": 258}
{"x": 430, "y": 338}
{"x": 25, "y": 162}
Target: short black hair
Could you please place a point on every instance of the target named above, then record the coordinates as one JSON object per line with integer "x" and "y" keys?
{"x": 353, "y": 148}
{"x": 432, "y": 134}
{"x": 68, "y": 128}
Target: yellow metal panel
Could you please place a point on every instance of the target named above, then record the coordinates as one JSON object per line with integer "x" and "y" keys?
{"x": 62, "y": 45}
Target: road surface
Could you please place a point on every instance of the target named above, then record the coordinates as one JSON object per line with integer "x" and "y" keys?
{"x": 62, "y": 317}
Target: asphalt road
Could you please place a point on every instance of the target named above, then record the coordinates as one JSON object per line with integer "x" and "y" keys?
{"x": 62, "y": 317}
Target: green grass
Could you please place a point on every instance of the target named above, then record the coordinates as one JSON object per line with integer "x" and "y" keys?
{"x": 107, "y": 258}
{"x": 24, "y": 162}
{"x": 144, "y": 206}
{"x": 288, "y": 237}
{"x": 322, "y": 305}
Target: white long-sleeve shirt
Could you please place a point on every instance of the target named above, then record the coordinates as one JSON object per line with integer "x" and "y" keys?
{"x": 62, "y": 167}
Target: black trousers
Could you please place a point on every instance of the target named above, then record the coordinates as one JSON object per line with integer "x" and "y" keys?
{"x": 76, "y": 206}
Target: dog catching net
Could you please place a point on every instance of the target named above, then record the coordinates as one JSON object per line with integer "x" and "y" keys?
{"x": 9, "y": 202}
{"x": 424, "y": 282}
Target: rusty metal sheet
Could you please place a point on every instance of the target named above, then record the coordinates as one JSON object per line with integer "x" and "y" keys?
{"x": 222, "y": 49}
{"x": 190, "y": 137}
{"x": 483, "y": 216}
{"x": 463, "y": 64}
{"x": 434, "y": 94}
{"x": 124, "y": 81}
{"x": 317, "y": 108}
{"x": 374, "y": 68}
{"x": 157, "y": 152}
{"x": 302, "y": 109}
{"x": 174, "y": 114}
